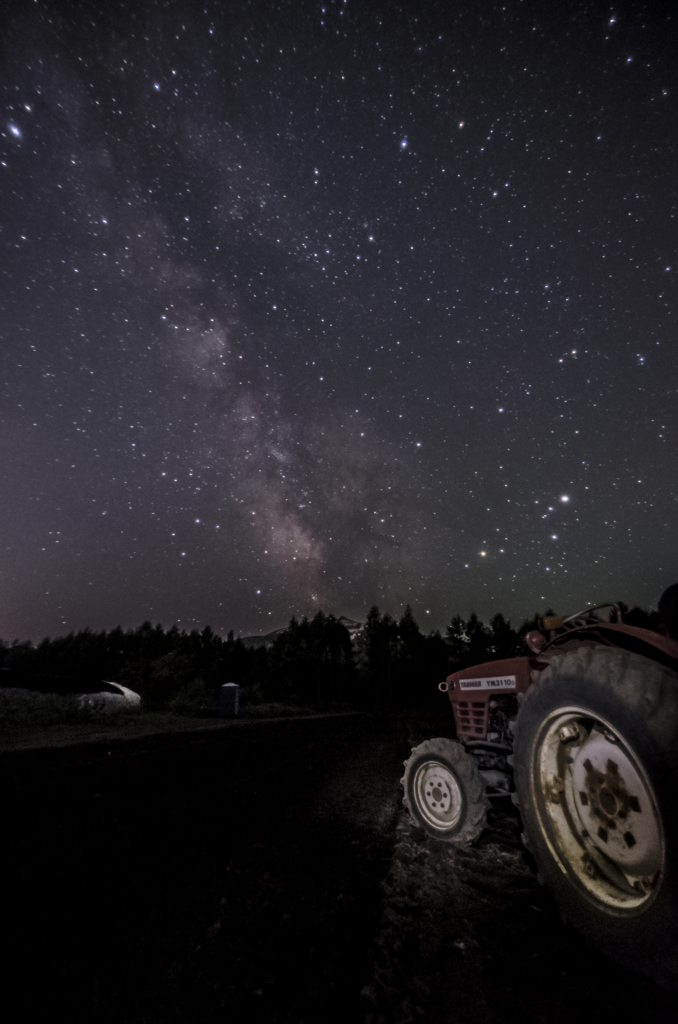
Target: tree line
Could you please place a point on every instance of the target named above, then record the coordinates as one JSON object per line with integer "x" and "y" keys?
{"x": 390, "y": 662}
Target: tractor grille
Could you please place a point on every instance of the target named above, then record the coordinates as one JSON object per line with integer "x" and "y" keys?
{"x": 471, "y": 718}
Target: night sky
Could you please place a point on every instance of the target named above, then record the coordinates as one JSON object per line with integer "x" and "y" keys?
{"x": 320, "y": 305}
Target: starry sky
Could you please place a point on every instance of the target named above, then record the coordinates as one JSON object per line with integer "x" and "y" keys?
{"x": 320, "y": 305}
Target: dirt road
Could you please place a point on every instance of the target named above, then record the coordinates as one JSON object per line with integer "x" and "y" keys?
{"x": 266, "y": 873}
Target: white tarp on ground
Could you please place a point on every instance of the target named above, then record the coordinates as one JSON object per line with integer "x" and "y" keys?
{"x": 107, "y": 701}
{"x": 114, "y": 698}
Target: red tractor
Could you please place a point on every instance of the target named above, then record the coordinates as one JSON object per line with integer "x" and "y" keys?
{"x": 582, "y": 733}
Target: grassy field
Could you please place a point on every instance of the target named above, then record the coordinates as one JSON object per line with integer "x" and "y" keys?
{"x": 51, "y": 721}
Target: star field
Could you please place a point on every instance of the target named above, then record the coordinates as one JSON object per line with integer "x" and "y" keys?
{"x": 324, "y": 304}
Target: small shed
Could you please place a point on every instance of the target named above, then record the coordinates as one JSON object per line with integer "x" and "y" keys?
{"x": 228, "y": 700}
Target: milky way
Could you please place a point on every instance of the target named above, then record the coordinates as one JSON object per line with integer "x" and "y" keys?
{"x": 326, "y": 305}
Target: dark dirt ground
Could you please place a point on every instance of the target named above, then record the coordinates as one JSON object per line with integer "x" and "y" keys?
{"x": 267, "y": 872}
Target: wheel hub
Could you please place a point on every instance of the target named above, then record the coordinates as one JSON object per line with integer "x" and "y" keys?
{"x": 439, "y": 795}
{"x": 614, "y": 807}
{"x": 598, "y": 809}
{"x": 437, "y": 791}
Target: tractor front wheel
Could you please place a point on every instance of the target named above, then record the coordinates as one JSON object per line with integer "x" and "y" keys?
{"x": 596, "y": 775}
{"x": 444, "y": 791}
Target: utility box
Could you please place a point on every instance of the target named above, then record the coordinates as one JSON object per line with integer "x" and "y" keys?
{"x": 228, "y": 700}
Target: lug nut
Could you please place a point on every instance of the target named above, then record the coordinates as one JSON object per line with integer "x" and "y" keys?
{"x": 555, "y": 789}
{"x": 569, "y": 732}
{"x": 589, "y": 866}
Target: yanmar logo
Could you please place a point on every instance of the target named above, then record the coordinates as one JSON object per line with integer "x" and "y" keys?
{"x": 492, "y": 683}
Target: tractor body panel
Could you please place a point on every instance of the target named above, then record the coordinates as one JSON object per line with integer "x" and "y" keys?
{"x": 473, "y": 690}
{"x": 655, "y": 646}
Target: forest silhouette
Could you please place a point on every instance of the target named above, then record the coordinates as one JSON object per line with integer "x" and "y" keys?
{"x": 388, "y": 663}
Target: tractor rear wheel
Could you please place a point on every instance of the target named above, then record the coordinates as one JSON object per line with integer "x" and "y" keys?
{"x": 444, "y": 791}
{"x": 596, "y": 775}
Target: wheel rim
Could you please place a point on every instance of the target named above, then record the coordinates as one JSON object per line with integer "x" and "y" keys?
{"x": 438, "y": 795}
{"x": 598, "y": 810}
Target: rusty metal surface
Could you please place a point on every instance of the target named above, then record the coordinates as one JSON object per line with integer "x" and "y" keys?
{"x": 471, "y": 689}
{"x": 644, "y": 641}
{"x": 520, "y": 668}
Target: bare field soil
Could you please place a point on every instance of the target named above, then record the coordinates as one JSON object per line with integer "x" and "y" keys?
{"x": 467, "y": 936}
{"x": 267, "y": 872}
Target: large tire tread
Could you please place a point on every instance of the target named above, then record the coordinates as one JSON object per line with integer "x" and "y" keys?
{"x": 644, "y": 697}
